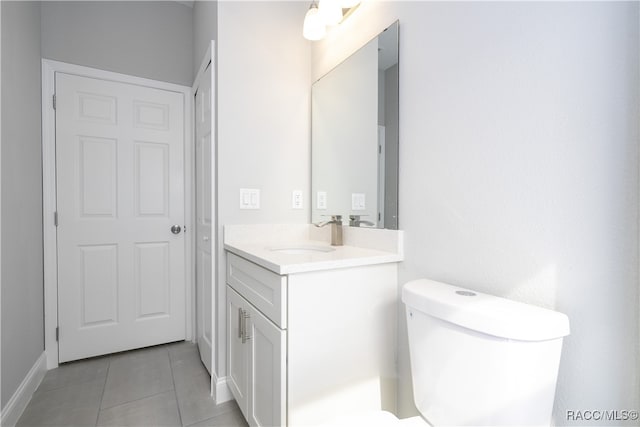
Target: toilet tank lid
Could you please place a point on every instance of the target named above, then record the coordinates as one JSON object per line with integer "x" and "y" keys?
{"x": 485, "y": 313}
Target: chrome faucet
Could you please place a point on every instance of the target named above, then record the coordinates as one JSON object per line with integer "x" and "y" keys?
{"x": 336, "y": 229}
{"x": 355, "y": 221}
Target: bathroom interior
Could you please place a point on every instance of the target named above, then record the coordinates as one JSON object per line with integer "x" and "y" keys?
{"x": 510, "y": 136}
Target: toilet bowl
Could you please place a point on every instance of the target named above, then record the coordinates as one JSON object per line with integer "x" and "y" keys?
{"x": 476, "y": 359}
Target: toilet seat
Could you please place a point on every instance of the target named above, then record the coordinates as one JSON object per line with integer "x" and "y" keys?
{"x": 377, "y": 419}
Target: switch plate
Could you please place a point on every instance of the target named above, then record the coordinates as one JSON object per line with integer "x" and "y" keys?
{"x": 249, "y": 198}
{"x": 296, "y": 199}
{"x": 321, "y": 200}
{"x": 357, "y": 202}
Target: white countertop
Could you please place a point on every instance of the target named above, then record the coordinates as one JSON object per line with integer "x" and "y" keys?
{"x": 284, "y": 263}
{"x": 361, "y": 246}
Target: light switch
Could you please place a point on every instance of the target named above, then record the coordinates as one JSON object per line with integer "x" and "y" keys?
{"x": 357, "y": 202}
{"x": 249, "y": 198}
{"x": 321, "y": 200}
{"x": 296, "y": 199}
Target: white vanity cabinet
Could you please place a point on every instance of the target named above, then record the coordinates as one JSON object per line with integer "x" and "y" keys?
{"x": 306, "y": 347}
{"x": 256, "y": 345}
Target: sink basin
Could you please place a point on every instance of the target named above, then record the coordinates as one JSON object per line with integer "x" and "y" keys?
{"x": 301, "y": 249}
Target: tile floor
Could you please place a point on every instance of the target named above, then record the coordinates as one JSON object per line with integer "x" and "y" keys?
{"x": 165, "y": 385}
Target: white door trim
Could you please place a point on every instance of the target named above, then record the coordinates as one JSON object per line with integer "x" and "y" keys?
{"x": 49, "y": 68}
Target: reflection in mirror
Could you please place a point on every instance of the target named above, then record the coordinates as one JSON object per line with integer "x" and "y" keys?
{"x": 354, "y": 133}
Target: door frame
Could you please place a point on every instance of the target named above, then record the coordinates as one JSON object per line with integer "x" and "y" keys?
{"x": 49, "y": 196}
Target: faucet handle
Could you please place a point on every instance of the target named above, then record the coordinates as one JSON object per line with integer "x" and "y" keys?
{"x": 355, "y": 221}
{"x": 335, "y": 219}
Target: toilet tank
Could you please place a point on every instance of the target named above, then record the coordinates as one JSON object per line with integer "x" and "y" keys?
{"x": 478, "y": 359}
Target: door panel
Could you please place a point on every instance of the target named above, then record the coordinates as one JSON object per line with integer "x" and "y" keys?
{"x": 267, "y": 371}
{"x": 120, "y": 187}
{"x": 238, "y": 362}
{"x": 204, "y": 219}
{"x": 98, "y": 285}
{"x": 151, "y": 278}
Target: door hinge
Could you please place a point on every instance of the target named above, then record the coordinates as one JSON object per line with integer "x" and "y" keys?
{"x": 55, "y": 219}
{"x": 57, "y": 333}
{"x": 54, "y": 101}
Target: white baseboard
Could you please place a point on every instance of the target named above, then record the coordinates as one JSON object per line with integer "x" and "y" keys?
{"x": 16, "y": 405}
{"x": 222, "y": 392}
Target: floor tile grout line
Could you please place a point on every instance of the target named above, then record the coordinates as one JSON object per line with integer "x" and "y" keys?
{"x": 133, "y": 400}
{"x": 175, "y": 391}
{"x": 79, "y": 383}
{"x": 137, "y": 400}
{"x": 104, "y": 387}
{"x": 202, "y": 421}
{"x": 140, "y": 398}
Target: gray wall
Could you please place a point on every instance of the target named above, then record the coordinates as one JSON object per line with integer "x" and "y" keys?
{"x": 519, "y": 168}
{"x": 152, "y": 39}
{"x": 205, "y": 29}
{"x": 22, "y": 283}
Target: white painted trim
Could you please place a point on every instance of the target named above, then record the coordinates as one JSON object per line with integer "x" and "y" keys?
{"x": 48, "y": 208}
{"x": 1, "y": 412}
{"x": 49, "y": 68}
{"x": 222, "y": 391}
{"x": 20, "y": 399}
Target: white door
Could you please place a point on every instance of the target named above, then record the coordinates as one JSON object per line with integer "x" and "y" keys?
{"x": 204, "y": 209}
{"x": 120, "y": 187}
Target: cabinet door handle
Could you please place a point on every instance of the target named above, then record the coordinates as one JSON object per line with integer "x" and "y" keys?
{"x": 245, "y": 336}
{"x": 240, "y": 323}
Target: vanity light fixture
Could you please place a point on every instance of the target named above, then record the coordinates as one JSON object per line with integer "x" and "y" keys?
{"x": 314, "y": 27}
{"x": 326, "y": 13}
{"x": 330, "y": 12}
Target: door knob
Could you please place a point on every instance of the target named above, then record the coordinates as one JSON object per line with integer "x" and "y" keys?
{"x": 176, "y": 229}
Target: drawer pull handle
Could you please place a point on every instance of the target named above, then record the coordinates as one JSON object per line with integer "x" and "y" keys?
{"x": 245, "y": 336}
{"x": 240, "y": 322}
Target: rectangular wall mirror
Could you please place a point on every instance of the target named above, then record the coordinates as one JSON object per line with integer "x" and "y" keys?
{"x": 354, "y": 137}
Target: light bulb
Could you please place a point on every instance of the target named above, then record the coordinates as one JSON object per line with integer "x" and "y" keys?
{"x": 331, "y": 11}
{"x": 313, "y": 27}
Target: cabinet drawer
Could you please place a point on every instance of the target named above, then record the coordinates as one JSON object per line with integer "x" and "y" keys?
{"x": 266, "y": 290}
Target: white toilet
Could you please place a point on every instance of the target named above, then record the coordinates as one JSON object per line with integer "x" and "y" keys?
{"x": 477, "y": 359}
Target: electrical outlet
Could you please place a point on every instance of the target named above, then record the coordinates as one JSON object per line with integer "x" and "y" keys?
{"x": 296, "y": 199}
{"x": 321, "y": 200}
{"x": 357, "y": 201}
